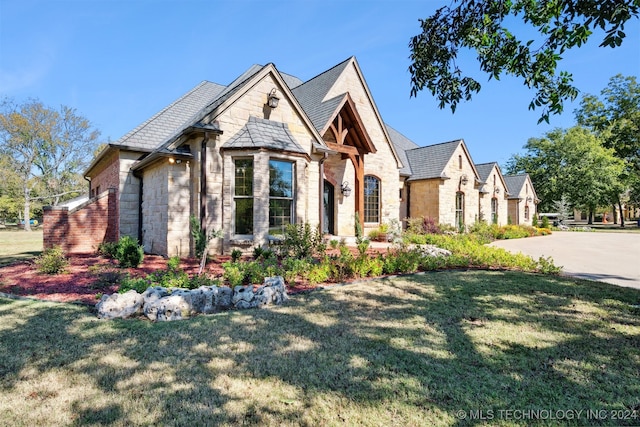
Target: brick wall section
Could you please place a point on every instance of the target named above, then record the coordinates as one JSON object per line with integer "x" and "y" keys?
{"x": 81, "y": 230}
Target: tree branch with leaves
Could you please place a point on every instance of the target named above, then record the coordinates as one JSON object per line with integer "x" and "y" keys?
{"x": 481, "y": 26}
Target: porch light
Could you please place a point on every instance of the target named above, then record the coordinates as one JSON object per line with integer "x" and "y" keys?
{"x": 496, "y": 190}
{"x": 272, "y": 99}
{"x": 529, "y": 199}
{"x": 464, "y": 180}
{"x": 345, "y": 189}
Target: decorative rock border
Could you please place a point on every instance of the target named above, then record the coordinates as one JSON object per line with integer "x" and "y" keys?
{"x": 161, "y": 304}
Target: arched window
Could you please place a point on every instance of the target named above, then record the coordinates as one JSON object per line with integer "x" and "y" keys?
{"x": 459, "y": 210}
{"x": 371, "y": 199}
{"x": 494, "y": 210}
{"x": 526, "y": 212}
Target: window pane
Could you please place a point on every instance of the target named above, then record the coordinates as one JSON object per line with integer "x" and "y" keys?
{"x": 244, "y": 177}
{"x": 371, "y": 199}
{"x": 280, "y": 178}
{"x": 244, "y": 216}
{"x": 279, "y": 215}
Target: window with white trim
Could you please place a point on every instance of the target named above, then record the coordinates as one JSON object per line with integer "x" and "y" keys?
{"x": 281, "y": 195}
{"x": 371, "y": 199}
{"x": 243, "y": 196}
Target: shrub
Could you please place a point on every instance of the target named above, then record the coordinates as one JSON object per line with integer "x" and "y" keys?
{"x": 236, "y": 254}
{"x": 138, "y": 284}
{"x": 52, "y": 261}
{"x": 545, "y": 222}
{"x": 173, "y": 263}
{"x": 534, "y": 221}
{"x": 334, "y": 243}
{"x": 233, "y": 273}
{"x": 319, "y": 273}
{"x": 108, "y": 249}
{"x": 301, "y": 241}
{"x": 129, "y": 253}
{"x": 423, "y": 225}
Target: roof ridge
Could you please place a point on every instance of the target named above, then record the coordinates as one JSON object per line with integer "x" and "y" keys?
{"x": 439, "y": 143}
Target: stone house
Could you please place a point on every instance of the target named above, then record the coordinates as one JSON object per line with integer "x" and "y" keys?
{"x": 251, "y": 157}
{"x": 522, "y": 199}
{"x": 444, "y": 184}
{"x": 494, "y": 194}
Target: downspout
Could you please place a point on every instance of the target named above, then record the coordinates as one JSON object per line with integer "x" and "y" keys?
{"x": 408, "y": 196}
{"x": 86, "y": 178}
{"x": 140, "y": 194}
{"x": 203, "y": 183}
{"x": 321, "y": 191}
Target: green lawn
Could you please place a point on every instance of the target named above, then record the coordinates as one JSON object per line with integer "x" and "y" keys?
{"x": 17, "y": 245}
{"x": 426, "y": 349}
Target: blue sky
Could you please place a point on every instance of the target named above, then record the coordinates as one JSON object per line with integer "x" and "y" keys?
{"x": 119, "y": 62}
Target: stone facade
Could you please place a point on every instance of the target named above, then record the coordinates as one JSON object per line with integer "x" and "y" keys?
{"x": 494, "y": 195}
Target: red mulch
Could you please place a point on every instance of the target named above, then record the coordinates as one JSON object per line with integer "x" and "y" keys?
{"x": 84, "y": 279}
{"x": 82, "y": 282}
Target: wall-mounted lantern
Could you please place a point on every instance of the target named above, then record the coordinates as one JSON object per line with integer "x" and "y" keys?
{"x": 464, "y": 180}
{"x": 345, "y": 189}
{"x": 272, "y": 99}
{"x": 496, "y": 190}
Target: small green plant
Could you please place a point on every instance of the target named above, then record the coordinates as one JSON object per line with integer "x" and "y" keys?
{"x": 108, "y": 249}
{"x": 333, "y": 243}
{"x": 129, "y": 253}
{"x": 233, "y": 273}
{"x": 358, "y": 227}
{"x": 200, "y": 238}
{"x": 138, "y": 284}
{"x": 52, "y": 261}
{"x": 301, "y": 241}
{"x": 173, "y": 263}
{"x": 534, "y": 221}
{"x": 545, "y": 222}
{"x": 236, "y": 254}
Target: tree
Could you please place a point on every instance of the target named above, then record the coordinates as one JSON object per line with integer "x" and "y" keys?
{"x": 479, "y": 25}
{"x": 615, "y": 117}
{"x": 574, "y": 164}
{"x": 46, "y": 149}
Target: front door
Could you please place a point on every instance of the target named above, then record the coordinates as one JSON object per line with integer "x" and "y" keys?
{"x": 328, "y": 206}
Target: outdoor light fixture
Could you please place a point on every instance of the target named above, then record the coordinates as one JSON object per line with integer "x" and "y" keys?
{"x": 272, "y": 99}
{"x": 529, "y": 199}
{"x": 496, "y": 190}
{"x": 464, "y": 180}
{"x": 345, "y": 189}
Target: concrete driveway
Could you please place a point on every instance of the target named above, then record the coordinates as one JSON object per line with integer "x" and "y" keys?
{"x": 606, "y": 257}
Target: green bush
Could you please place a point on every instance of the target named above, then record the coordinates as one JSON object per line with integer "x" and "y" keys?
{"x": 233, "y": 273}
{"x": 236, "y": 254}
{"x": 301, "y": 241}
{"x": 52, "y": 261}
{"x": 545, "y": 222}
{"x": 173, "y": 263}
{"x": 138, "y": 284}
{"x": 108, "y": 249}
{"x": 129, "y": 253}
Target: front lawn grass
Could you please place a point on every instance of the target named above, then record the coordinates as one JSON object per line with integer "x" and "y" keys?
{"x": 17, "y": 245}
{"x": 427, "y": 349}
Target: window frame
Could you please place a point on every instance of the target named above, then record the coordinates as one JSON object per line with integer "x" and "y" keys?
{"x": 291, "y": 198}
{"x": 249, "y": 196}
{"x": 368, "y": 205}
{"x": 459, "y": 209}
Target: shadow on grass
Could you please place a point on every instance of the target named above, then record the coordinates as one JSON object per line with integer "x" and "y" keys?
{"x": 22, "y": 256}
{"x": 411, "y": 350}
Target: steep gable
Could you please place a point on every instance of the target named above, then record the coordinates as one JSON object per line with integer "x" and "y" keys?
{"x": 484, "y": 171}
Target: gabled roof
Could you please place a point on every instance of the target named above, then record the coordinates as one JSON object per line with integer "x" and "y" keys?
{"x": 311, "y": 94}
{"x": 401, "y": 144}
{"x": 515, "y": 184}
{"x": 262, "y": 133}
{"x": 148, "y": 135}
{"x": 430, "y": 161}
{"x": 484, "y": 170}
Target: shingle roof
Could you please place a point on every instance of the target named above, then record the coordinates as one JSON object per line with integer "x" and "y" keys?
{"x": 164, "y": 124}
{"x": 430, "y": 161}
{"x": 311, "y": 93}
{"x": 261, "y": 133}
{"x": 515, "y": 183}
{"x": 484, "y": 170}
{"x": 401, "y": 144}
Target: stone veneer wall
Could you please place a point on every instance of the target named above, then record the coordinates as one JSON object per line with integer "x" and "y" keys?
{"x": 82, "y": 229}
{"x": 155, "y": 201}
{"x": 425, "y": 199}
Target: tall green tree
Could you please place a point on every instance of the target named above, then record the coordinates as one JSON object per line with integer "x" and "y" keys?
{"x": 615, "y": 117}
{"x": 46, "y": 149}
{"x": 483, "y": 26}
{"x": 573, "y": 164}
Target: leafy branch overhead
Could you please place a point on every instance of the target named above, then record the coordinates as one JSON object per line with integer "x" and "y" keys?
{"x": 481, "y": 26}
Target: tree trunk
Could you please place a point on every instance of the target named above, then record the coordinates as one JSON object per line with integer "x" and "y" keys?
{"x": 27, "y": 208}
{"x": 621, "y": 214}
{"x": 614, "y": 213}
{"x": 590, "y": 220}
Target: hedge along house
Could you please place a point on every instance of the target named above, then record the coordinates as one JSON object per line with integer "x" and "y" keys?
{"x": 494, "y": 194}
{"x": 444, "y": 184}
{"x": 249, "y": 158}
{"x": 522, "y": 199}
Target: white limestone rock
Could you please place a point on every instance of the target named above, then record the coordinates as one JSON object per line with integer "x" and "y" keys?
{"x": 120, "y": 306}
